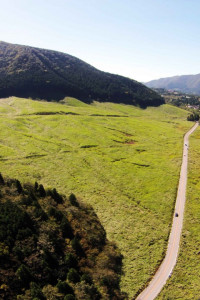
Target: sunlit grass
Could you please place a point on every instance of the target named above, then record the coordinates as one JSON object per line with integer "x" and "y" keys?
{"x": 123, "y": 160}
{"x": 185, "y": 284}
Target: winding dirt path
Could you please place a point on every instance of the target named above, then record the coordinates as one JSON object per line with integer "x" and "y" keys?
{"x": 169, "y": 262}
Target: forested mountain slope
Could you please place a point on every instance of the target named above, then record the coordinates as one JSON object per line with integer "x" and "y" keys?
{"x": 53, "y": 247}
{"x": 51, "y": 75}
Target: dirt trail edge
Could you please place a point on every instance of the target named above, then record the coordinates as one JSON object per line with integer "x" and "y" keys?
{"x": 169, "y": 262}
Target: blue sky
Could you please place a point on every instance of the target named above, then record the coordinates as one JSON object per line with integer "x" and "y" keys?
{"x": 140, "y": 39}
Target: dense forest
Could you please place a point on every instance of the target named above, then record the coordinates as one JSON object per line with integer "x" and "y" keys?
{"x": 53, "y": 247}
{"x": 51, "y": 75}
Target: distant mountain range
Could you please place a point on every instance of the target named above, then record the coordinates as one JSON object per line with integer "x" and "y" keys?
{"x": 45, "y": 74}
{"x": 184, "y": 83}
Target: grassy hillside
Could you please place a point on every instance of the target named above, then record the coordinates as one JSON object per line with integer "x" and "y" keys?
{"x": 123, "y": 160}
{"x": 51, "y": 75}
{"x": 184, "y": 283}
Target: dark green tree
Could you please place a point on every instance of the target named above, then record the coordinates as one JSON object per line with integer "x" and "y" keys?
{"x": 2, "y": 182}
{"x": 36, "y": 186}
{"x": 24, "y": 274}
{"x": 87, "y": 278}
{"x": 36, "y": 292}
{"x": 19, "y": 187}
{"x": 56, "y": 196}
{"x": 64, "y": 287}
{"x": 73, "y": 276}
{"x": 77, "y": 246}
{"x": 193, "y": 117}
{"x": 73, "y": 200}
{"x": 57, "y": 214}
{"x": 70, "y": 261}
{"x": 66, "y": 228}
{"x": 41, "y": 191}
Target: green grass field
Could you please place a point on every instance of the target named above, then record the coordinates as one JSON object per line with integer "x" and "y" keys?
{"x": 184, "y": 284}
{"x": 123, "y": 160}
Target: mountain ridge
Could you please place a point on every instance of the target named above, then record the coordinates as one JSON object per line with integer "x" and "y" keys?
{"x": 183, "y": 83}
{"x": 51, "y": 75}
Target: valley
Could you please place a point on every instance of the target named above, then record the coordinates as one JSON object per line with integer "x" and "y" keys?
{"x": 123, "y": 160}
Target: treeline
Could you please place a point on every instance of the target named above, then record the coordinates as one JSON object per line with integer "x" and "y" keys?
{"x": 53, "y": 247}
{"x": 51, "y": 75}
{"x": 193, "y": 117}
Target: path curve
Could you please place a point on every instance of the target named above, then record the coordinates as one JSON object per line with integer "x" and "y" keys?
{"x": 167, "y": 265}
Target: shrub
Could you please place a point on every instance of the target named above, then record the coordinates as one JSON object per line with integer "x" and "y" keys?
{"x": 69, "y": 297}
{"x": 19, "y": 187}
{"x": 51, "y": 292}
{"x": 110, "y": 281}
{"x": 23, "y": 273}
{"x": 73, "y": 276}
{"x": 41, "y": 191}
{"x": 87, "y": 278}
{"x": 40, "y": 213}
{"x": 56, "y": 196}
{"x": 36, "y": 186}
{"x": 64, "y": 287}
{"x": 26, "y": 200}
{"x": 2, "y": 182}
{"x": 73, "y": 200}
{"x": 58, "y": 215}
{"x": 49, "y": 259}
{"x": 18, "y": 252}
{"x": 4, "y": 251}
{"x": 32, "y": 196}
{"x": 89, "y": 292}
{"x": 66, "y": 229}
{"x": 77, "y": 246}
{"x": 70, "y": 261}
{"x": 23, "y": 233}
{"x": 29, "y": 198}
{"x": 36, "y": 292}
{"x": 193, "y": 117}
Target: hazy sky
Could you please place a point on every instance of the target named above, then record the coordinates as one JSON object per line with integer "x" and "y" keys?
{"x": 140, "y": 39}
